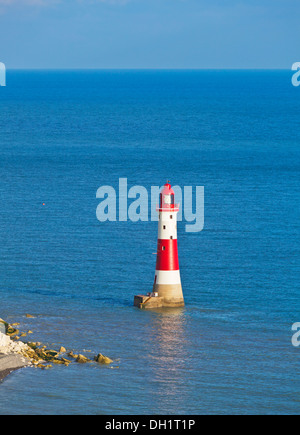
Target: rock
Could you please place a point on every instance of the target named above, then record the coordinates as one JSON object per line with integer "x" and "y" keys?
{"x": 62, "y": 350}
{"x": 11, "y": 331}
{"x": 72, "y": 355}
{"x": 51, "y": 353}
{"x": 29, "y": 332}
{"x": 41, "y": 366}
{"x": 35, "y": 356}
{"x": 82, "y": 359}
{"x": 57, "y": 361}
{"x": 33, "y": 345}
{"x": 101, "y": 359}
{"x": 4, "y": 341}
{"x": 23, "y": 334}
{"x": 29, "y": 316}
{"x": 3, "y": 326}
{"x": 7, "y": 346}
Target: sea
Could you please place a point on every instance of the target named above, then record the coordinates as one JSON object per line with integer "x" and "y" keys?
{"x": 64, "y": 134}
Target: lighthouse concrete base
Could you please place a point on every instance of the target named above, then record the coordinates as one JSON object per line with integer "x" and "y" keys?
{"x": 150, "y": 302}
{"x": 171, "y": 294}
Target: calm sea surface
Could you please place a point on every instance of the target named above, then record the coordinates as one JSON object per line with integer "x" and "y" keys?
{"x": 62, "y": 136}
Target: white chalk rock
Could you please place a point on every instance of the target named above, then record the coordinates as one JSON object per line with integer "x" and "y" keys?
{"x": 8, "y": 346}
{"x": 4, "y": 343}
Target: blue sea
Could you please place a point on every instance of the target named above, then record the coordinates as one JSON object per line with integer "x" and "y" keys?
{"x": 63, "y": 134}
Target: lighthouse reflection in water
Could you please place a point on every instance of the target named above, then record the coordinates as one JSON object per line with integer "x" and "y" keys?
{"x": 169, "y": 337}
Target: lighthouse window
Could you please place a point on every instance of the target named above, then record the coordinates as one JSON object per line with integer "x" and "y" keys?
{"x": 163, "y": 248}
{"x": 167, "y": 199}
{"x": 171, "y": 237}
{"x": 172, "y": 199}
{"x": 164, "y": 227}
{"x": 171, "y": 216}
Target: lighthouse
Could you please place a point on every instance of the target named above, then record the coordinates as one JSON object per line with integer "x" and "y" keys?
{"x": 167, "y": 289}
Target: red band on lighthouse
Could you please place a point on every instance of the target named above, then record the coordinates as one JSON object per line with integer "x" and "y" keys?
{"x": 167, "y": 255}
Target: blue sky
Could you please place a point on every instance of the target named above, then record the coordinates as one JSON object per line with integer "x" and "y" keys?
{"x": 149, "y": 33}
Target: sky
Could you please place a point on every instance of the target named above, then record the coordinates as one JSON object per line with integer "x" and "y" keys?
{"x": 149, "y": 33}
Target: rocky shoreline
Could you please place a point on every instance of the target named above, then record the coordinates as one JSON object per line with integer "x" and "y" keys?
{"x": 15, "y": 354}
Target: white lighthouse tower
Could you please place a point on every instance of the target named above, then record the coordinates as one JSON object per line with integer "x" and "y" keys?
{"x": 167, "y": 290}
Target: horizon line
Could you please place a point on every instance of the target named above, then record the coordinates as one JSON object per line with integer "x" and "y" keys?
{"x": 145, "y": 69}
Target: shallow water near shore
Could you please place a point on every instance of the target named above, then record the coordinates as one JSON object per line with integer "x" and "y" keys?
{"x": 62, "y": 136}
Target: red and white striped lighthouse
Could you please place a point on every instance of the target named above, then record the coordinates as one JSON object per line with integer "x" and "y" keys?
{"x": 167, "y": 282}
{"x": 167, "y": 290}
